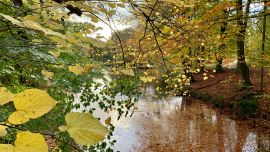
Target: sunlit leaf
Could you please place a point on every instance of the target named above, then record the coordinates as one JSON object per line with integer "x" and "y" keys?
{"x": 33, "y": 25}
{"x": 147, "y": 79}
{"x": 3, "y": 130}
{"x": 87, "y": 68}
{"x": 84, "y": 128}
{"x": 32, "y": 18}
{"x": 59, "y": 66}
{"x": 26, "y": 142}
{"x": 51, "y": 32}
{"x": 31, "y": 104}
{"x": 6, "y": 148}
{"x": 76, "y": 69}
{"x": 55, "y": 53}
{"x": 11, "y": 19}
{"x": 47, "y": 74}
{"x": 5, "y": 96}
{"x": 127, "y": 72}
{"x": 30, "y": 142}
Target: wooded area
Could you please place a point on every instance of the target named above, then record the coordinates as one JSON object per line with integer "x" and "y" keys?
{"x": 63, "y": 61}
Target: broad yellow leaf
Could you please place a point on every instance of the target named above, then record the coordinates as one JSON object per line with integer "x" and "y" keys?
{"x": 6, "y": 148}
{"x": 3, "y": 130}
{"x": 47, "y": 74}
{"x": 26, "y": 142}
{"x": 30, "y": 142}
{"x": 31, "y": 104}
{"x": 5, "y": 96}
{"x": 84, "y": 128}
{"x": 127, "y": 72}
{"x": 77, "y": 69}
{"x": 18, "y": 117}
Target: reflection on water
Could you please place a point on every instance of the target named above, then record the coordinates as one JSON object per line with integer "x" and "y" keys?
{"x": 175, "y": 125}
{"x": 172, "y": 124}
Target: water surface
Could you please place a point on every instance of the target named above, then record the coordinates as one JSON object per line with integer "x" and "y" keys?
{"x": 172, "y": 124}
{"x": 175, "y": 125}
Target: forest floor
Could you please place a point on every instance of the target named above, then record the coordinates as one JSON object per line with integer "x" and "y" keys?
{"x": 225, "y": 88}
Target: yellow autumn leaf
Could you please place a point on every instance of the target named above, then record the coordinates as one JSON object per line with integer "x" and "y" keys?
{"x": 54, "y": 25}
{"x": 33, "y": 25}
{"x": 84, "y": 128}
{"x": 47, "y": 74}
{"x": 127, "y": 72}
{"x": 87, "y": 68}
{"x": 11, "y": 19}
{"x": 108, "y": 120}
{"x": 6, "y": 148}
{"x": 59, "y": 66}
{"x": 31, "y": 104}
{"x": 76, "y": 69}
{"x": 30, "y": 142}
{"x": 146, "y": 79}
{"x": 5, "y": 96}
{"x": 3, "y": 130}
{"x": 55, "y": 53}
{"x": 26, "y": 142}
{"x": 51, "y": 32}
{"x": 32, "y": 18}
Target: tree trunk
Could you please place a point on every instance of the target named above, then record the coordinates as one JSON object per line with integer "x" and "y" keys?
{"x": 263, "y": 46}
{"x": 242, "y": 66}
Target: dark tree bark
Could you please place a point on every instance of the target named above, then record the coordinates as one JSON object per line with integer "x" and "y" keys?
{"x": 202, "y": 61}
{"x": 242, "y": 66}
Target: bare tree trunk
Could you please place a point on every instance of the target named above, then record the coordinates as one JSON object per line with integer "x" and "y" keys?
{"x": 242, "y": 66}
{"x": 263, "y": 46}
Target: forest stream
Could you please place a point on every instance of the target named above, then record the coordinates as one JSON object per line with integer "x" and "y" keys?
{"x": 172, "y": 125}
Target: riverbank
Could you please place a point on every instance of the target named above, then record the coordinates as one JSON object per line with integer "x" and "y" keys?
{"x": 223, "y": 90}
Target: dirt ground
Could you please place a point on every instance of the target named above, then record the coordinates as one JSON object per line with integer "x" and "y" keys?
{"x": 226, "y": 85}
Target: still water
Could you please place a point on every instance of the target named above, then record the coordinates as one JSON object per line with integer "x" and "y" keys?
{"x": 174, "y": 125}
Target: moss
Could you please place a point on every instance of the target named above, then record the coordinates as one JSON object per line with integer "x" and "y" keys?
{"x": 246, "y": 106}
{"x": 214, "y": 100}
